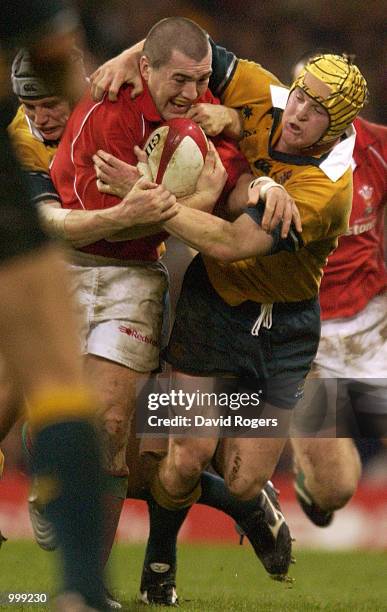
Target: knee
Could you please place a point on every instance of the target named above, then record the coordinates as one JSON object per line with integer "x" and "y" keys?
{"x": 191, "y": 461}
{"x": 337, "y": 495}
{"x": 114, "y": 420}
{"x": 335, "y": 488}
{"x": 245, "y": 486}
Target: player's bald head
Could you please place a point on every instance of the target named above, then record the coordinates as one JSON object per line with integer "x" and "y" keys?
{"x": 175, "y": 33}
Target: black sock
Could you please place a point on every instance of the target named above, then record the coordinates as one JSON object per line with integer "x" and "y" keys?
{"x": 164, "y": 526}
{"x": 216, "y": 495}
{"x": 66, "y": 454}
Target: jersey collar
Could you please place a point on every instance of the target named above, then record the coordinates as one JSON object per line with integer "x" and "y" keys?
{"x": 337, "y": 161}
{"x": 147, "y": 105}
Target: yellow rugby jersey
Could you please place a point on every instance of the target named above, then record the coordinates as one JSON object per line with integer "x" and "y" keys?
{"x": 321, "y": 188}
{"x": 33, "y": 153}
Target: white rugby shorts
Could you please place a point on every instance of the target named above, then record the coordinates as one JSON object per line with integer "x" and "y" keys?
{"x": 355, "y": 347}
{"x": 121, "y": 307}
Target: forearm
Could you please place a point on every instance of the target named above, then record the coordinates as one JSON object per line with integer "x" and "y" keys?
{"x": 78, "y": 227}
{"x": 199, "y": 230}
{"x": 197, "y": 201}
{"x": 238, "y": 198}
{"x": 85, "y": 227}
{"x": 133, "y": 50}
{"x": 137, "y": 231}
{"x": 216, "y": 237}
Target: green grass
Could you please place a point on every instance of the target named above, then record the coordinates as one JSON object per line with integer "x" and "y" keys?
{"x": 222, "y": 579}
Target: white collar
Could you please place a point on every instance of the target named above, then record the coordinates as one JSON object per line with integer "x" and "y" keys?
{"x": 340, "y": 157}
{"x": 279, "y": 96}
{"x": 33, "y": 129}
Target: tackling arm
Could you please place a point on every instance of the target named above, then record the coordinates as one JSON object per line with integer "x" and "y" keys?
{"x": 146, "y": 204}
{"x": 217, "y": 238}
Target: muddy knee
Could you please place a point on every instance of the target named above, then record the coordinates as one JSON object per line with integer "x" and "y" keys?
{"x": 190, "y": 460}
{"x": 114, "y": 425}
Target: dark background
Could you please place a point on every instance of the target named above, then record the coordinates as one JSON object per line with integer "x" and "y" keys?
{"x": 274, "y": 33}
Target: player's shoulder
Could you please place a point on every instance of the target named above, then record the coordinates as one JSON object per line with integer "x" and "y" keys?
{"x": 18, "y": 124}
{"x": 311, "y": 183}
{"x": 26, "y": 140}
{"x": 89, "y": 115}
{"x": 250, "y": 72}
{"x": 368, "y": 133}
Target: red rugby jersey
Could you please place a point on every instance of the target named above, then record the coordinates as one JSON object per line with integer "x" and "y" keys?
{"x": 356, "y": 271}
{"x": 116, "y": 127}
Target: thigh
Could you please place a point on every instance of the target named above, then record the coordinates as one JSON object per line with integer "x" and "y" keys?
{"x": 114, "y": 384}
{"x": 12, "y": 402}
{"x": 191, "y": 451}
{"x": 247, "y": 463}
{"x": 122, "y": 312}
{"x": 195, "y": 399}
{"x": 327, "y": 460}
{"x": 37, "y": 327}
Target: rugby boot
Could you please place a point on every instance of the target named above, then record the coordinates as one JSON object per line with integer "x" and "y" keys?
{"x": 269, "y": 535}
{"x": 158, "y": 584}
{"x": 318, "y": 516}
{"x": 44, "y": 532}
{"x": 111, "y": 603}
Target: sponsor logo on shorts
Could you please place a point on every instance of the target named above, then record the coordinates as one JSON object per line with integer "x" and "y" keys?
{"x": 137, "y": 335}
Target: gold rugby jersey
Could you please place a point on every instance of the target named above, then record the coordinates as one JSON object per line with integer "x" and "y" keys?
{"x": 34, "y": 154}
{"x": 321, "y": 188}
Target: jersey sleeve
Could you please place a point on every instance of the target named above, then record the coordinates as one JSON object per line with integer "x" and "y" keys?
{"x": 31, "y": 158}
{"x": 250, "y": 84}
{"x": 293, "y": 241}
{"x": 224, "y": 63}
{"x": 108, "y": 129}
{"x": 238, "y": 82}
{"x": 41, "y": 187}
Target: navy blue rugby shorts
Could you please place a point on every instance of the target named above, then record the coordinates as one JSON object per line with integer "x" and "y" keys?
{"x": 212, "y": 338}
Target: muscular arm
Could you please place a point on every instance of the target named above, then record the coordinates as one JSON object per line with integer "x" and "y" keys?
{"x": 218, "y": 238}
{"x": 145, "y": 205}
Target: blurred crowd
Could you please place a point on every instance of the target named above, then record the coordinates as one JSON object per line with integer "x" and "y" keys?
{"x": 272, "y": 32}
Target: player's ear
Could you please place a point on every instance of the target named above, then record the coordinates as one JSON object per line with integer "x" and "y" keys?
{"x": 144, "y": 67}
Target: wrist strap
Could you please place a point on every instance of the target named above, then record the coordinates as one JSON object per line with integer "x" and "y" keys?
{"x": 268, "y": 183}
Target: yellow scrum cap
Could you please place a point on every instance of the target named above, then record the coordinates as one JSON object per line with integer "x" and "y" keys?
{"x": 348, "y": 89}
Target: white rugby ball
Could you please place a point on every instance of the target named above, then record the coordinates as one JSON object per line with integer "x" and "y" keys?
{"x": 176, "y": 152}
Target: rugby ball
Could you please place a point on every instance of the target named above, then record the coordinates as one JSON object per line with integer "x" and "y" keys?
{"x": 176, "y": 152}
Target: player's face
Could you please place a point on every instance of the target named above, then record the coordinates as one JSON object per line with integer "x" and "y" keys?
{"x": 177, "y": 85}
{"x": 304, "y": 121}
{"x": 49, "y": 116}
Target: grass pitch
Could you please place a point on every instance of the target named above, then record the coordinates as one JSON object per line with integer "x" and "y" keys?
{"x": 220, "y": 579}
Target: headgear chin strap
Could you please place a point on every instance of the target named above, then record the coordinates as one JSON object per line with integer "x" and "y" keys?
{"x": 348, "y": 91}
